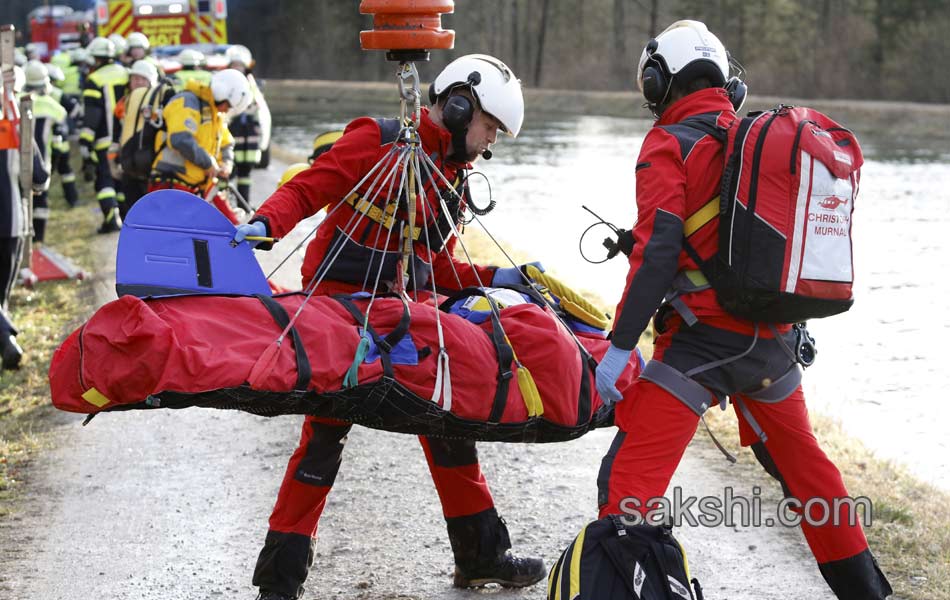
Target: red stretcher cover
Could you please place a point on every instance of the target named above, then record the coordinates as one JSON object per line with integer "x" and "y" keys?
{"x": 199, "y": 351}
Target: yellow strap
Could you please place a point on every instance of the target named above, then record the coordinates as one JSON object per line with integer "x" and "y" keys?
{"x": 92, "y": 93}
{"x": 529, "y": 389}
{"x": 576, "y": 564}
{"x": 95, "y": 397}
{"x": 696, "y": 277}
{"x": 685, "y": 562}
{"x": 377, "y": 215}
{"x": 702, "y": 216}
{"x": 572, "y": 302}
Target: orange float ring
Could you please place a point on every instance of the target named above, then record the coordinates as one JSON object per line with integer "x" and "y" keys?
{"x": 407, "y": 25}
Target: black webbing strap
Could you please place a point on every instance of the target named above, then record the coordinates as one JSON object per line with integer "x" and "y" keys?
{"x": 304, "y": 373}
{"x": 385, "y": 344}
{"x": 503, "y": 351}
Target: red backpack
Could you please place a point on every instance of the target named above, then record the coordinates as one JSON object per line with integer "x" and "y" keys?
{"x": 788, "y": 190}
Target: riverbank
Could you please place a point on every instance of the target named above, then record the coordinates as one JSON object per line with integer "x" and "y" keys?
{"x": 900, "y": 119}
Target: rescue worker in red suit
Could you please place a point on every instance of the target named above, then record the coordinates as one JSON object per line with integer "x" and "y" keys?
{"x": 472, "y": 99}
{"x": 702, "y": 354}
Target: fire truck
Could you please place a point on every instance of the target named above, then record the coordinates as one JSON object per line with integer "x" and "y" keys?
{"x": 165, "y": 22}
{"x": 54, "y": 28}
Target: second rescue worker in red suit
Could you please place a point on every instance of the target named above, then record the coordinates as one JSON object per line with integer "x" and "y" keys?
{"x": 473, "y": 98}
{"x": 702, "y": 354}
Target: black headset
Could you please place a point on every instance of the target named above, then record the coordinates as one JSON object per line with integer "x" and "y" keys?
{"x": 657, "y": 81}
{"x": 458, "y": 111}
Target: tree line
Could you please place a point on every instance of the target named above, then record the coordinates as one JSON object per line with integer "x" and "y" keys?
{"x": 882, "y": 49}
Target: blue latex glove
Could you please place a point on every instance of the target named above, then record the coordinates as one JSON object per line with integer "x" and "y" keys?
{"x": 512, "y": 275}
{"x": 257, "y": 229}
{"x": 608, "y": 371}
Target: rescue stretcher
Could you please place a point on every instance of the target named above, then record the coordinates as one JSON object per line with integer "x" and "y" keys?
{"x": 200, "y": 350}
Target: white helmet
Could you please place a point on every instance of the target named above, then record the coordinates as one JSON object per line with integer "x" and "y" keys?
{"x": 239, "y": 54}
{"x": 37, "y": 75}
{"x": 491, "y": 81}
{"x": 119, "y": 42}
{"x": 101, "y": 47}
{"x": 231, "y": 86}
{"x": 55, "y": 73}
{"x": 137, "y": 39}
{"x": 189, "y": 57}
{"x": 146, "y": 69}
{"x": 685, "y": 48}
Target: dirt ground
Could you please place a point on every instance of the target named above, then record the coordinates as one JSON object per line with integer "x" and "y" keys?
{"x": 173, "y": 505}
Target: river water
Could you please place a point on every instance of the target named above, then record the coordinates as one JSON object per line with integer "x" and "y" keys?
{"x": 880, "y": 369}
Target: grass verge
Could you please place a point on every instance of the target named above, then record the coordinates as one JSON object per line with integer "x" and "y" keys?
{"x": 44, "y": 316}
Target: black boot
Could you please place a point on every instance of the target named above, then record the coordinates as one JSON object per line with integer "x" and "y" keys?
{"x": 110, "y": 225}
{"x": 265, "y": 595}
{"x": 11, "y": 351}
{"x": 481, "y": 546}
{"x": 283, "y": 565}
{"x": 856, "y": 578}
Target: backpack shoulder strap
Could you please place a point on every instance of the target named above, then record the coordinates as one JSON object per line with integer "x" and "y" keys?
{"x": 388, "y": 130}
{"x": 707, "y": 124}
{"x": 689, "y": 131}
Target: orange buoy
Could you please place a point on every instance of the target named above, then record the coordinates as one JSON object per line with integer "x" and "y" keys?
{"x": 401, "y": 25}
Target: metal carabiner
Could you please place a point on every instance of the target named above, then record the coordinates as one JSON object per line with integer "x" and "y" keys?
{"x": 805, "y": 349}
{"x": 409, "y": 92}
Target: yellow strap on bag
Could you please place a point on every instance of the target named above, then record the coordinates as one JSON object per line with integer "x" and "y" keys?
{"x": 573, "y": 303}
{"x": 529, "y": 389}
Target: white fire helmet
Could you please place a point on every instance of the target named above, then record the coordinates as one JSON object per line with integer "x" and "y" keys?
{"x": 682, "y": 44}
{"x": 101, "y": 47}
{"x": 239, "y": 54}
{"x": 230, "y": 85}
{"x": 144, "y": 68}
{"x": 137, "y": 39}
{"x": 37, "y": 75}
{"x": 191, "y": 58}
{"x": 119, "y": 42}
{"x": 491, "y": 81}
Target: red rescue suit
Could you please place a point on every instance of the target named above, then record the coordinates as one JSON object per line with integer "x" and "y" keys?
{"x": 467, "y": 503}
{"x": 332, "y": 177}
{"x": 678, "y": 172}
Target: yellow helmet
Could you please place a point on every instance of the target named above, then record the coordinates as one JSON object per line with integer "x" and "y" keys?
{"x": 291, "y": 172}
{"x": 324, "y": 142}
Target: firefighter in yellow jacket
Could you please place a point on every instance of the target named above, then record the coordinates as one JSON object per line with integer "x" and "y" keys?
{"x": 196, "y": 146}
{"x": 104, "y": 86}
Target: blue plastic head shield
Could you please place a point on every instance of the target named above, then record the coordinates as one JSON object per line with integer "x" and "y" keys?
{"x": 175, "y": 243}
